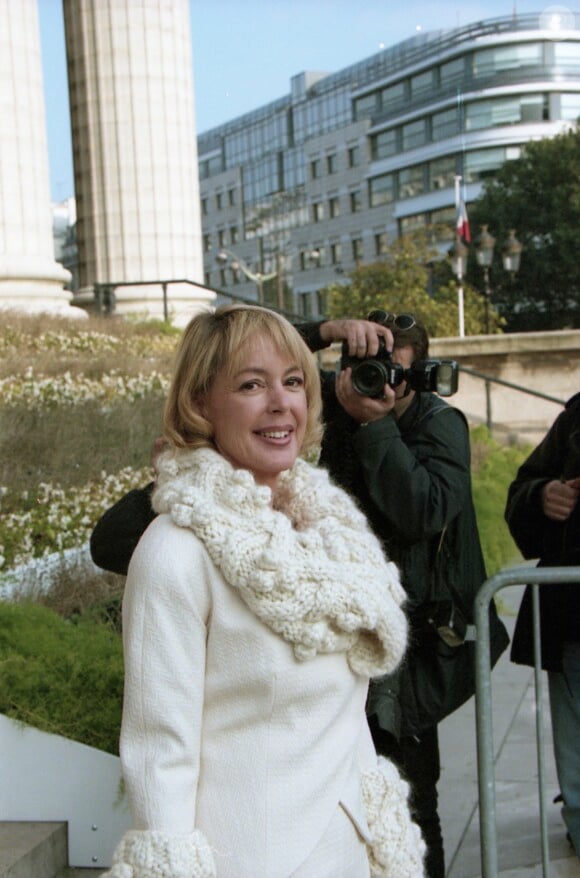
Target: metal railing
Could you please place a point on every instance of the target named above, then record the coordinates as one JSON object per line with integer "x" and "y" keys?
{"x": 489, "y": 380}
{"x": 106, "y": 300}
{"x": 544, "y": 576}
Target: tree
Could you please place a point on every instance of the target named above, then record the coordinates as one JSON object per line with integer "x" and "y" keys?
{"x": 538, "y": 195}
{"x": 412, "y": 278}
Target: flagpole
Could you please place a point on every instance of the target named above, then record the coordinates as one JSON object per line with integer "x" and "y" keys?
{"x": 460, "y": 311}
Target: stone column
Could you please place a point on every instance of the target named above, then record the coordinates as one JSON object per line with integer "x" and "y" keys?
{"x": 30, "y": 279}
{"x": 135, "y": 156}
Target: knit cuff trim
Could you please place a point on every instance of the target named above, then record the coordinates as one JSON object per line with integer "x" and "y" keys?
{"x": 398, "y": 849}
{"x": 141, "y": 854}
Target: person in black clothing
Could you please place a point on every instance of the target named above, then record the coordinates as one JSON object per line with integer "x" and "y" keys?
{"x": 405, "y": 456}
{"x": 543, "y": 515}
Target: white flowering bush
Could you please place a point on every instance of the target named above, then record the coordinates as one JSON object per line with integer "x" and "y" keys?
{"x": 81, "y": 341}
{"x": 79, "y": 407}
{"x": 67, "y": 389}
{"x": 51, "y": 518}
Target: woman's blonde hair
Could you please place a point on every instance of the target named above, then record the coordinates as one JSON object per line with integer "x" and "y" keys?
{"x": 213, "y": 342}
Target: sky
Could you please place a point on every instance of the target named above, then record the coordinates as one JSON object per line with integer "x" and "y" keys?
{"x": 246, "y": 51}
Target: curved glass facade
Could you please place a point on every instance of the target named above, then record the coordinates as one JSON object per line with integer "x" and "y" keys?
{"x": 360, "y": 156}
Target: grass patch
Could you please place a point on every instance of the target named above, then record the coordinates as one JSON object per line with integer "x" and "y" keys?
{"x": 61, "y": 676}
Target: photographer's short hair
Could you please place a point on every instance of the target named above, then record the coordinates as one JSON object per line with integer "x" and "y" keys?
{"x": 213, "y": 341}
{"x": 417, "y": 337}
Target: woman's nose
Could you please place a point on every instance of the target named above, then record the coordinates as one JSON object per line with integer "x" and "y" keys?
{"x": 278, "y": 398}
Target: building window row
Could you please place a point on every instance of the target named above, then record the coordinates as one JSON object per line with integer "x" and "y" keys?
{"x": 474, "y": 66}
{"x": 476, "y": 115}
{"x": 438, "y": 174}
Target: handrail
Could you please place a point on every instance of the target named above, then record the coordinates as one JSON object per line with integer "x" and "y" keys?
{"x": 105, "y": 296}
{"x": 484, "y": 727}
{"x": 511, "y": 384}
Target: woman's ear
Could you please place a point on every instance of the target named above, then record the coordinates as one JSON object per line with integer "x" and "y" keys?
{"x": 199, "y": 404}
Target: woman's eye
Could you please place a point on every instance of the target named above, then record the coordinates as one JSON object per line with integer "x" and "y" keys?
{"x": 295, "y": 381}
{"x": 249, "y": 385}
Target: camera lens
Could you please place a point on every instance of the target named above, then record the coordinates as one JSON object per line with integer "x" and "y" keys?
{"x": 369, "y": 378}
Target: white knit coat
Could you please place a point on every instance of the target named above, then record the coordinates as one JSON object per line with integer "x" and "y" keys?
{"x": 251, "y": 626}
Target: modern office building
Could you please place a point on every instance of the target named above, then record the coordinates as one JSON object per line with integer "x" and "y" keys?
{"x": 297, "y": 192}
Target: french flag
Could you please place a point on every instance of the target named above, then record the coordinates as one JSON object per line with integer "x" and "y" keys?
{"x": 462, "y": 227}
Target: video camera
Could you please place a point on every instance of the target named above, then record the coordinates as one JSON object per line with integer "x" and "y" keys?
{"x": 370, "y": 374}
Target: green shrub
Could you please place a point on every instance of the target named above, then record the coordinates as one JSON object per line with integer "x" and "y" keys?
{"x": 494, "y": 468}
{"x": 61, "y": 677}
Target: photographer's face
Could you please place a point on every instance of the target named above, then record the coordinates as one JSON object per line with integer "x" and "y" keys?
{"x": 405, "y": 357}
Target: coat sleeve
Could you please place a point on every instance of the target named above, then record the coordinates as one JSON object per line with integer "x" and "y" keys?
{"x": 523, "y": 513}
{"x": 120, "y": 528}
{"x": 420, "y": 485}
{"x": 165, "y": 611}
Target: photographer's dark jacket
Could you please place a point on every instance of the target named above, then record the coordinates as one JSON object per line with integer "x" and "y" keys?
{"x": 554, "y": 543}
{"x": 412, "y": 478}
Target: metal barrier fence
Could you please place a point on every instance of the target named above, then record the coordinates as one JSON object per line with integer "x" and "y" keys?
{"x": 543, "y": 576}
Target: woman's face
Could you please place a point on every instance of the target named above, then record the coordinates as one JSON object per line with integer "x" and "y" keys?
{"x": 259, "y": 413}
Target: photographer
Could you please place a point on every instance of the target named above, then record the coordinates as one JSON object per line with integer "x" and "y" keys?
{"x": 405, "y": 456}
{"x": 543, "y": 515}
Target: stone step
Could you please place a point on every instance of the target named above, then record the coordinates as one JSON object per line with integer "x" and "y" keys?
{"x": 32, "y": 850}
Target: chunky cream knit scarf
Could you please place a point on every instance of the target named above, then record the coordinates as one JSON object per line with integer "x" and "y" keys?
{"x": 304, "y": 561}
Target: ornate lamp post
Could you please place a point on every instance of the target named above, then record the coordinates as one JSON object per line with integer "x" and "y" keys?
{"x": 237, "y": 263}
{"x": 484, "y": 253}
{"x": 511, "y": 253}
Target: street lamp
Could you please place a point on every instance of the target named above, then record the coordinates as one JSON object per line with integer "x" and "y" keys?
{"x": 511, "y": 253}
{"x": 236, "y": 262}
{"x": 484, "y": 253}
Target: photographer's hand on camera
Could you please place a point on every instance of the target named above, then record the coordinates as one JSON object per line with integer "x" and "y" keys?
{"x": 363, "y": 409}
{"x": 362, "y": 336}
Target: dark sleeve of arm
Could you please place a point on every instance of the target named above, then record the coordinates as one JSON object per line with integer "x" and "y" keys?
{"x": 419, "y": 486}
{"x": 118, "y": 531}
{"x": 310, "y": 332}
{"x": 523, "y": 512}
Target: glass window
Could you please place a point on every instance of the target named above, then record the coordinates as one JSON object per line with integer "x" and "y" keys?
{"x": 570, "y": 107}
{"x": 567, "y": 54}
{"x": 353, "y": 156}
{"x": 234, "y": 235}
{"x": 422, "y": 83}
{"x": 231, "y": 197}
{"x": 315, "y": 169}
{"x": 414, "y": 134}
{"x": 411, "y": 181}
{"x": 381, "y": 243}
{"x": 357, "y": 249}
{"x": 318, "y": 211}
{"x": 219, "y": 201}
{"x": 381, "y": 190}
{"x": 442, "y": 173}
{"x": 412, "y": 223}
{"x": 334, "y": 207}
{"x": 481, "y": 163}
{"x": 305, "y": 304}
{"x": 331, "y": 163}
{"x": 384, "y": 144}
{"x": 392, "y": 95}
{"x": 206, "y": 243}
{"x": 445, "y": 124}
{"x": 365, "y": 106}
{"x": 204, "y": 205}
{"x": 451, "y": 71}
{"x": 355, "y": 201}
{"x": 336, "y": 253}
{"x": 221, "y": 238}
{"x": 498, "y": 58}
{"x": 506, "y": 111}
